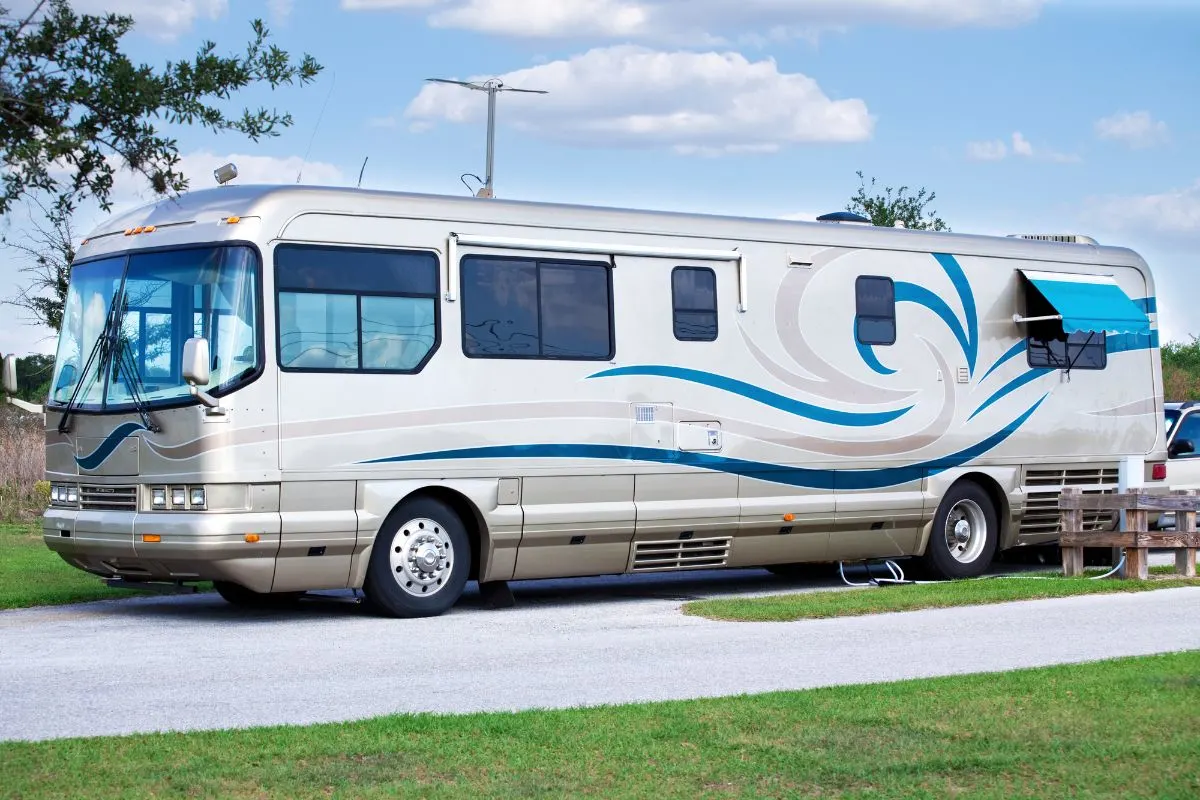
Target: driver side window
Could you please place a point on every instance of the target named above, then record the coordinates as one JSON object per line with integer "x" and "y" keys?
{"x": 1188, "y": 429}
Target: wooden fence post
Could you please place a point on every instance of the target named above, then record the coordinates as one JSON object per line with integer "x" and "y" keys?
{"x": 1137, "y": 559}
{"x": 1072, "y": 522}
{"x": 1185, "y": 523}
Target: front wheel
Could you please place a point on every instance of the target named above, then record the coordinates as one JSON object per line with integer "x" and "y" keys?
{"x": 420, "y": 561}
{"x": 965, "y": 533}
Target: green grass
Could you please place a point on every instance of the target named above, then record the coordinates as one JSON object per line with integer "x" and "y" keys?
{"x": 1122, "y": 728}
{"x": 855, "y": 602}
{"x": 32, "y": 575}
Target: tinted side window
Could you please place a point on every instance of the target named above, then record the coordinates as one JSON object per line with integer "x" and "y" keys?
{"x": 875, "y": 310}
{"x": 694, "y": 304}
{"x": 355, "y": 309}
{"x": 1189, "y": 429}
{"x": 1080, "y": 350}
{"x": 523, "y": 308}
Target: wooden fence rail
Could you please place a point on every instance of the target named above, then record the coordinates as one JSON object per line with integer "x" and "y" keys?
{"x": 1137, "y": 539}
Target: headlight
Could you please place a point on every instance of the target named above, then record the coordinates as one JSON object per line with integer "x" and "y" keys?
{"x": 178, "y": 496}
{"x": 158, "y": 497}
{"x": 72, "y": 495}
{"x": 197, "y": 498}
{"x": 55, "y": 490}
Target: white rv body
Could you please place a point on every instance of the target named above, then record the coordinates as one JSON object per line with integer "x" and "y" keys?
{"x": 784, "y": 439}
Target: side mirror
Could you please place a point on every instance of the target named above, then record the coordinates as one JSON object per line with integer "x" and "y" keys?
{"x": 1181, "y": 447}
{"x": 8, "y": 374}
{"x": 196, "y": 370}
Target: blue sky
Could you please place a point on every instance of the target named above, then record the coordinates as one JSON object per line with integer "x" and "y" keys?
{"x": 1023, "y": 115}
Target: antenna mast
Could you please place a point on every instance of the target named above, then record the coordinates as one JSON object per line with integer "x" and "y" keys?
{"x": 492, "y": 87}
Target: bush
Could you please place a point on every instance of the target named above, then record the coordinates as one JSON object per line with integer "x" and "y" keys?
{"x": 24, "y": 493}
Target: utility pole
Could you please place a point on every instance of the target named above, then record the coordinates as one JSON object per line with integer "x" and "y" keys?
{"x": 492, "y": 87}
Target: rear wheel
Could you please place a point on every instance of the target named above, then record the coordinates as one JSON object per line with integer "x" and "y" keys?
{"x": 420, "y": 561}
{"x": 965, "y": 532}
{"x": 239, "y": 595}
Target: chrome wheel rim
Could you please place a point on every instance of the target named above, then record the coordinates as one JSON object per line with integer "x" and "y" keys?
{"x": 421, "y": 557}
{"x": 966, "y": 531}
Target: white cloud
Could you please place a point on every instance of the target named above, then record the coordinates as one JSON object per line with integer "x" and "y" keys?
{"x": 993, "y": 150}
{"x": 694, "y": 103}
{"x": 280, "y": 10}
{"x": 997, "y": 150}
{"x": 699, "y": 20}
{"x": 1137, "y": 129}
{"x": 1175, "y": 211}
{"x": 158, "y": 19}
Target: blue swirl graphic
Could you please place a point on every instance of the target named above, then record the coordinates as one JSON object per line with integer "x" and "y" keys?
{"x": 106, "y": 448}
{"x": 844, "y": 479}
{"x": 867, "y": 353}
{"x": 759, "y": 395}
{"x": 1010, "y": 387}
{"x": 1012, "y": 352}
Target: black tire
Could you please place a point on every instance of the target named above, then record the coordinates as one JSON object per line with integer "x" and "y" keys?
{"x": 422, "y": 527}
{"x": 239, "y": 595}
{"x": 971, "y": 501}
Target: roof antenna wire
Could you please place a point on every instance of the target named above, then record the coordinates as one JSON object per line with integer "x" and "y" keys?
{"x": 317, "y": 127}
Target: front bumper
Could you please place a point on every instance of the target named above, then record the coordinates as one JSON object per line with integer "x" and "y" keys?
{"x": 190, "y": 547}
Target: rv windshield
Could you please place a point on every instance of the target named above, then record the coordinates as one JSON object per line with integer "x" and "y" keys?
{"x": 163, "y": 299}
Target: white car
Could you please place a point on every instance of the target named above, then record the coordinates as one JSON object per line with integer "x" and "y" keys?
{"x": 1183, "y": 436}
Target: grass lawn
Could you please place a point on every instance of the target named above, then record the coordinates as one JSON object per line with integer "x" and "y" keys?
{"x": 32, "y": 575}
{"x": 1114, "y": 729}
{"x": 854, "y": 602}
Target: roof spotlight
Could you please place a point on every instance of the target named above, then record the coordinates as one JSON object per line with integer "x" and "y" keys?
{"x": 225, "y": 174}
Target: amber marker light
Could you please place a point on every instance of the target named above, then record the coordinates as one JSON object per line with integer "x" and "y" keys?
{"x": 788, "y": 517}
{"x": 251, "y": 538}
{"x": 151, "y": 537}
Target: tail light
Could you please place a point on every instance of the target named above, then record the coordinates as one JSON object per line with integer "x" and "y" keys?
{"x": 1158, "y": 472}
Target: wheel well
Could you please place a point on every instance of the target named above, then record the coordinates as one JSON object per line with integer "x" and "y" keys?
{"x": 467, "y": 512}
{"x": 999, "y": 502}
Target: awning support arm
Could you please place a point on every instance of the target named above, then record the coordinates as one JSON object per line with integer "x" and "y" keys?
{"x": 1017, "y": 318}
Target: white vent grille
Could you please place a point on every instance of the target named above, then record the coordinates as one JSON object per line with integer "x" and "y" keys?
{"x": 108, "y": 498}
{"x": 1042, "y": 515}
{"x": 1069, "y": 238}
{"x": 681, "y": 554}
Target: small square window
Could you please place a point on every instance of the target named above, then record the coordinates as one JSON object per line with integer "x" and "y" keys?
{"x": 875, "y": 310}
{"x": 694, "y": 304}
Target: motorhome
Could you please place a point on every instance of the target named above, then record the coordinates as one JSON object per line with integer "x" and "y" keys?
{"x": 291, "y": 389}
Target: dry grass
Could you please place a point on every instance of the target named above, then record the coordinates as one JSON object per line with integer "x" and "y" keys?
{"x": 23, "y": 492}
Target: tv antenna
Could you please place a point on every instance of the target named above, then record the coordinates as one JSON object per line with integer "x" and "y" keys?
{"x": 492, "y": 87}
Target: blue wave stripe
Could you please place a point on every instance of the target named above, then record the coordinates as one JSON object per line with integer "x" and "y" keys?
{"x": 1012, "y": 352}
{"x": 867, "y": 353}
{"x": 856, "y": 419}
{"x": 919, "y": 295}
{"x": 1009, "y": 388}
{"x": 846, "y": 479}
{"x": 110, "y": 443}
{"x": 1148, "y": 305}
{"x": 1129, "y": 342}
{"x": 959, "y": 278}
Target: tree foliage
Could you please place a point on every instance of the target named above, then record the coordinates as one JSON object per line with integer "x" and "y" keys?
{"x": 33, "y": 378}
{"x": 890, "y": 206}
{"x": 1181, "y": 370}
{"x": 74, "y": 108}
{"x": 47, "y": 248}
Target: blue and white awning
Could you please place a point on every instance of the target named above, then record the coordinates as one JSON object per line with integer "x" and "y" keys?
{"x": 1088, "y": 303}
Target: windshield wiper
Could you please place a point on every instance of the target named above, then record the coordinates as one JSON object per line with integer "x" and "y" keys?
{"x": 99, "y": 350}
{"x": 112, "y": 350}
{"x": 133, "y": 379}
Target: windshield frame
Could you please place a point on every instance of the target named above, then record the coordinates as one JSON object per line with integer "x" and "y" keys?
{"x": 187, "y": 399}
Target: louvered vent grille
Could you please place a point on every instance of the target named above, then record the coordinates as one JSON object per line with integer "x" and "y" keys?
{"x": 1042, "y": 514}
{"x": 681, "y": 554}
{"x": 108, "y": 498}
